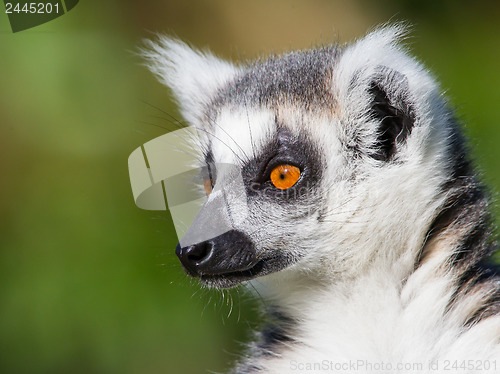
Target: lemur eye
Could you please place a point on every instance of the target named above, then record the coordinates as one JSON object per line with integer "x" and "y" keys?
{"x": 285, "y": 176}
{"x": 208, "y": 183}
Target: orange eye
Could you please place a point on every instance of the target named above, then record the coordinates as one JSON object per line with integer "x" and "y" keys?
{"x": 285, "y": 176}
{"x": 208, "y": 186}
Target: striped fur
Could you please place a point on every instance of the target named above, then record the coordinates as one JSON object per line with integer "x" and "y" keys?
{"x": 383, "y": 255}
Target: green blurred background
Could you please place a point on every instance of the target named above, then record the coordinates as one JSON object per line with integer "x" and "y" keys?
{"x": 88, "y": 282}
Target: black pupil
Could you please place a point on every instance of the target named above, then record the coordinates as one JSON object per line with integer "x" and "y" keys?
{"x": 282, "y": 176}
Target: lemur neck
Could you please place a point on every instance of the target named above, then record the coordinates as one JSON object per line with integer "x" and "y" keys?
{"x": 299, "y": 296}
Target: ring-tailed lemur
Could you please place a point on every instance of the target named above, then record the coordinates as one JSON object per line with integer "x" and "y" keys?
{"x": 367, "y": 230}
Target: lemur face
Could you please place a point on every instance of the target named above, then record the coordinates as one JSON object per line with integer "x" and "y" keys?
{"x": 327, "y": 141}
{"x": 281, "y": 168}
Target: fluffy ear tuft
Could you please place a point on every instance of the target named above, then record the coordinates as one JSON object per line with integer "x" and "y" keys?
{"x": 194, "y": 76}
{"x": 391, "y": 107}
{"x": 384, "y": 90}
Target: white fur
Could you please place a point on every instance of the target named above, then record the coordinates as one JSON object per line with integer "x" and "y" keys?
{"x": 193, "y": 76}
{"x": 354, "y": 291}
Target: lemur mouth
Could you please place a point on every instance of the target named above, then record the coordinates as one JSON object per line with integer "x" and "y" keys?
{"x": 232, "y": 279}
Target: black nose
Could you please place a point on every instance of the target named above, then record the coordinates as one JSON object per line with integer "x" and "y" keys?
{"x": 193, "y": 256}
{"x": 230, "y": 252}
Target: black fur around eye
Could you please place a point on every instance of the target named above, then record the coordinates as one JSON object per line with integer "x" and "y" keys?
{"x": 285, "y": 149}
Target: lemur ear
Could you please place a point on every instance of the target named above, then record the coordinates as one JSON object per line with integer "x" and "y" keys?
{"x": 194, "y": 76}
{"x": 382, "y": 89}
{"x": 391, "y": 108}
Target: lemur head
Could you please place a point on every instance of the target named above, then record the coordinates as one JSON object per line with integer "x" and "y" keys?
{"x": 342, "y": 152}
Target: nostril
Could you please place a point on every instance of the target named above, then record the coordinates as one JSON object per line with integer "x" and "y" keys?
{"x": 197, "y": 253}
{"x": 195, "y": 257}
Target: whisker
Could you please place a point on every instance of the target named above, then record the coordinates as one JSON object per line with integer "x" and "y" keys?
{"x": 202, "y": 130}
{"x": 234, "y": 141}
{"x": 219, "y": 139}
{"x": 181, "y": 124}
{"x": 206, "y": 304}
{"x": 250, "y": 131}
{"x": 177, "y": 122}
{"x": 264, "y": 303}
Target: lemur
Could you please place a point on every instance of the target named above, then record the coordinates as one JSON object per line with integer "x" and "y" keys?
{"x": 368, "y": 231}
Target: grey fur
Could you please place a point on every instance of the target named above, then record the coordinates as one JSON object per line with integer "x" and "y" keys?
{"x": 299, "y": 77}
{"x": 380, "y": 124}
